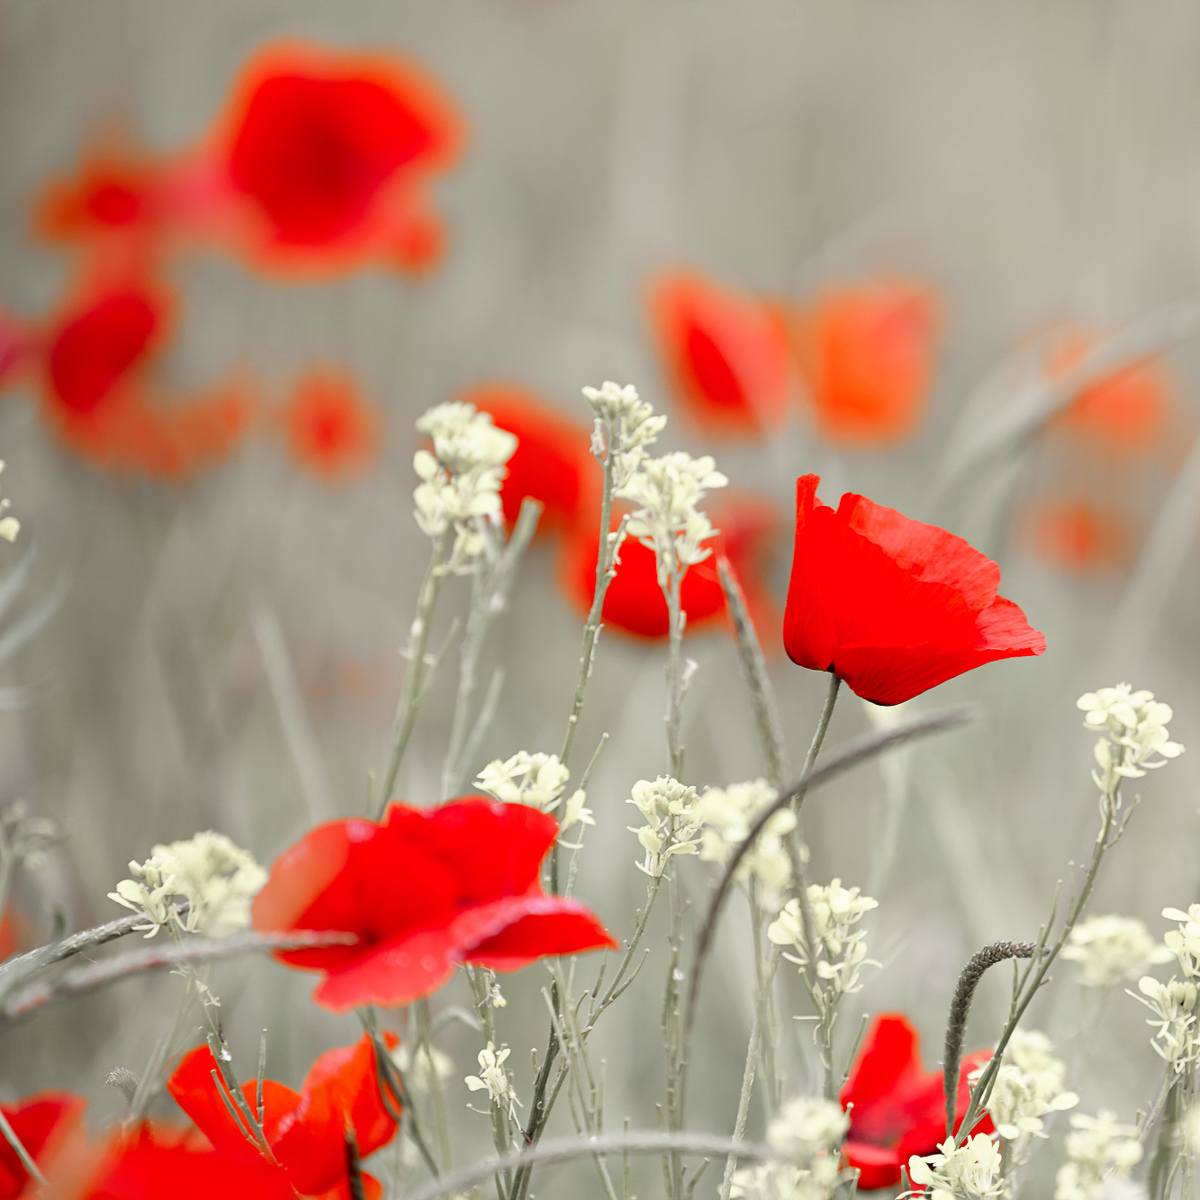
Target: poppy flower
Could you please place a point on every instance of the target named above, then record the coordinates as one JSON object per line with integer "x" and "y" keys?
{"x": 634, "y": 602}
{"x": 324, "y": 156}
{"x": 422, "y": 891}
{"x": 552, "y": 463}
{"x": 9, "y": 934}
{"x": 727, "y": 356}
{"x": 866, "y": 354}
{"x": 1124, "y": 413}
{"x": 331, "y": 428}
{"x": 306, "y": 1130}
{"x": 41, "y": 1123}
{"x": 897, "y": 1108}
{"x": 1081, "y": 535}
{"x": 890, "y": 605}
{"x": 17, "y": 347}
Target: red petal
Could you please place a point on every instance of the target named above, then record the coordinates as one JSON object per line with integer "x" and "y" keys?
{"x": 546, "y": 926}
{"x": 41, "y": 1122}
{"x": 396, "y": 972}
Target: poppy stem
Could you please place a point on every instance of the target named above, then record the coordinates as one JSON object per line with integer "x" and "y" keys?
{"x": 818, "y": 740}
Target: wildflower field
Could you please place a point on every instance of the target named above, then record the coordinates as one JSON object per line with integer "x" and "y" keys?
{"x": 598, "y": 600}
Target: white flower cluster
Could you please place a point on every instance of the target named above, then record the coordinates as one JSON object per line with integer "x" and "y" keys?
{"x": 1098, "y": 1149}
{"x": 1028, "y": 1087}
{"x": 495, "y": 1080}
{"x": 809, "y": 1133}
{"x": 1173, "y": 1005}
{"x": 666, "y": 493}
{"x": 972, "y": 1170}
{"x": 460, "y": 478}
{"x": 9, "y": 525}
{"x": 672, "y": 826}
{"x": 1135, "y": 738}
{"x": 538, "y": 780}
{"x": 726, "y": 815}
{"x": 625, "y": 427}
{"x": 207, "y": 876}
{"x": 839, "y": 944}
{"x": 1112, "y": 949}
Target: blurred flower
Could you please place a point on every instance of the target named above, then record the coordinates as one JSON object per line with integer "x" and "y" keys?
{"x": 896, "y": 1107}
{"x": 422, "y": 1066}
{"x": 964, "y": 1172}
{"x": 212, "y": 879}
{"x": 866, "y": 355}
{"x": 1028, "y": 1087}
{"x": 728, "y": 358}
{"x": 1097, "y": 1149}
{"x": 18, "y": 347}
{"x": 672, "y": 824}
{"x": 1081, "y": 535}
{"x": 893, "y": 606}
{"x": 1123, "y": 414}
{"x": 331, "y": 428}
{"x": 726, "y": 815}
{"x": 1112, "y": 949}
{"x": 305, "y": 1130}
{"x": 10, "y": 941}
{"x": 324, "y": 157}
{"x": 422, "y": 891}
{"x": 24, "y": 839}
{"x": 495, "y": 1080}
{"x": 9, "y": 525}
{"x": 552, "y": 462}
{"x": 1135, "y": 739}
{"x": 626, "y": 427}
{"x": 809, "y": 1132}
{"x": 42, "y": 1123}
{"x": 1173, "y": 1005}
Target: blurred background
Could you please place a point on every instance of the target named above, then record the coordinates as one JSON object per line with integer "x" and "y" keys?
{"x": 861, "y": 239}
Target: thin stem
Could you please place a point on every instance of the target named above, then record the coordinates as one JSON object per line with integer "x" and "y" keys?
{"x": 18, "y": 1148}
{"x": 501, "y": 1138}
{"x": 676, "y": 618}
{"x": 1160, "y": 1165}
{"x": 818, "y": 740}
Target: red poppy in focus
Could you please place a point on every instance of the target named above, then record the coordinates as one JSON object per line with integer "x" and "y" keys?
{"x": 422, "y": 891}
{"x": 727, "y": 355}
{"x": 897, "y": 1108}
{"x": 634, "y": 602}
{"x": 890, "y": 605}
{"x": 306, "y": 1130}
{"x": 1081, "y": 535}
{"x": 866, "y": 354}
{"x": 324, "y": 157}
{"x": 41, "y": 1123}
{"x": 1125, "y": 413}
{"x": 332, "y": 429}
{"x": 552, "y": 462}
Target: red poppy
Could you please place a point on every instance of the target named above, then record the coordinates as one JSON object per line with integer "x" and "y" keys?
{"x": 893, "y": 606}
{"x": 634, "y": 603}
{"x": 18, "y": 344}
{"x": 332, "y": 429}
{"x": 9, "y": 934}
{"x": 1125, "y": 413}
{"x": 552, "y": 463}
{"x": 727, "y": 356}
{"x": 897, "y": 1108}
{"x": 866, "y": 353}
{"x": 423, "y": 890}
{"x": 1081, "y": 535}
{"x": 41, "y": 1123}
{"x": 306, "y": 1130}
{"x": 324, "y": 157}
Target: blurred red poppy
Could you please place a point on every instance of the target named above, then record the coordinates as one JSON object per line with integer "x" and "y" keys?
{"x": 9, "y": 934}
{"x": 1081, "y": 535}
{"x": 41, "y": 1123}
{"x": 1125, "y": 413}
{"x": 306, "y": 1130}
{"x": 552, "y": 463}
{"x": 897, "y": 1108}
{"x": 866, "y": 354}
{"x": 332, "y": 429}
{"x": 18, "y": 345}
{"x": 892, "y": 606}
{"x": 324, "y": 158}
{"x": 422, "y": 891}
{"x": 726, "y": 354}
{"x": 634, "y": 603}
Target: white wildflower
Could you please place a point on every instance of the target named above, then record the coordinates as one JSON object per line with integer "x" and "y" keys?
{"x": 671, "y": 828}
{"x": 1189, "y": 1131}
{"x": 575, "y": 812}
{"x": 1120, "y": 1189}
{"x": 423, "y": 1066}
{"x": 958, "y": 1172}
{"x": 1028, "y": 1087}
{"x": 495, "y": 1080}
{"x": 1184, "y": 942}
{"x": 1135, "y": 739}
{"x": 809, "y": 1133}
{"x": 538, "y": 780}
{"x": 726, "y": 815}
{"x": 1112, "y": 949}
{"x": 806, "y": 1125}
{"x": 781, "y": 1181}
{"x": 496, "y": 996}
{"x": 215, "y": 879}
{"x": 9, "y": 525}
{"x": 1173, "y": 1005}
{"x": 625, "y": 427}
{"x": 1097, "y": 1149}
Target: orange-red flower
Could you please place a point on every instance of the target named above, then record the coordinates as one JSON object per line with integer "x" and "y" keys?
{"x": 897, "y": 1108}
{"x": 41, "y": 1124}
{"x": 1081, "y": 535}
{"x": 1125, "y": 413}
{"x": 634, "y": 602}
{"x": 306, "y": 1130}
{"x": 331, "y": 427}
{"x": 726, "y": 354}
{"x": 324, "y": 159}
{"x": 18, "y": 343}
{"x": 552, "y": 462}
{"x": 866, "y": 354}
{"x": 890, "y": 605}
{"x": 422, "y": 891}
{"x": 9, "y": 934}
